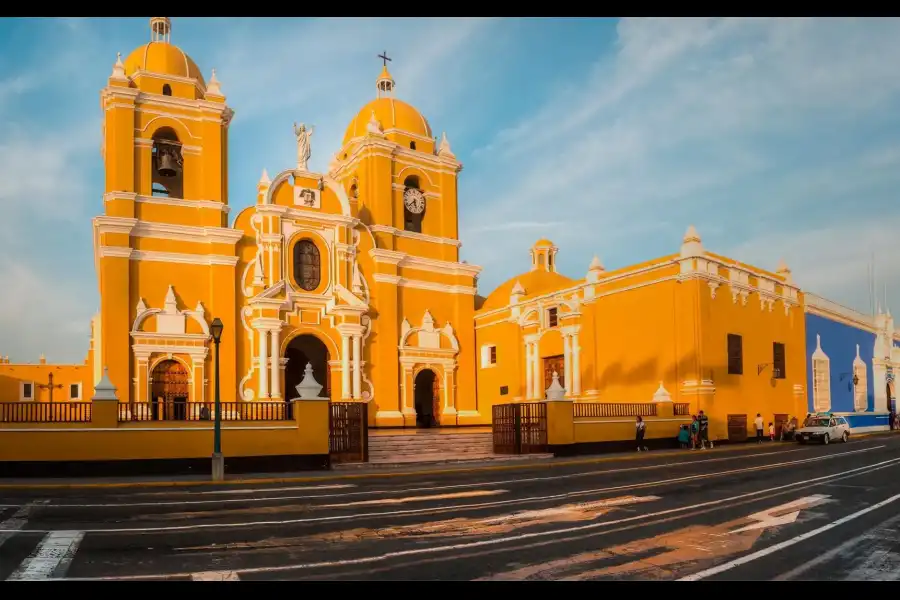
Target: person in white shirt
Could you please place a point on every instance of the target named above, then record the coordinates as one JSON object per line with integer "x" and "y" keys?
{"x": 759, "y": 428}
{"x": 640, "y": 429}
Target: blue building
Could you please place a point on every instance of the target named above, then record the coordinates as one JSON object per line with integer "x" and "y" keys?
{"x": 850, "y": 364}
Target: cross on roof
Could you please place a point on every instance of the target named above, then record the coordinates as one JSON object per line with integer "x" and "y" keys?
{"x": 384, "y": 57}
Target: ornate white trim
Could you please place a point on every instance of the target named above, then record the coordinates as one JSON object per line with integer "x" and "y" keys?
{"x": 422, "y": 237}
{"x": 166, "y": 201}
{"x": 424, "y": 285}
{"x": 180, "y": 258}
{"x": 432, "y": 265}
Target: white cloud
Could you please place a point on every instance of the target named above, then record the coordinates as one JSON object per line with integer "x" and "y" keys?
{"x": 725, "y": 123}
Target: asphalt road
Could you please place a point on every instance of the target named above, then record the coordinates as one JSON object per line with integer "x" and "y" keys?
{"x": 779, "y": 511}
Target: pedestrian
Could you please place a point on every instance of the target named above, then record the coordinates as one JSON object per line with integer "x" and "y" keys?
{"x": 704, "y": 429}
{"x": 640, "y": 428}
{"x": 759, "y": 428}
{"x": 771, "y": 432}
{"x": 695, "y": 432}
{"x": 684, "y": 436}
{"x": 204, "y": 413}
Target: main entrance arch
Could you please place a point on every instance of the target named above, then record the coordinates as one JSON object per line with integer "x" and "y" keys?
{"x": 426, "y": 394}
{"x": 303, "y": 349}
{"x": 169, "y": 391}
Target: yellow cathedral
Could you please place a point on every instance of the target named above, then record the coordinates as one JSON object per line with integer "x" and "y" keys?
{"x": 357, "y": 273}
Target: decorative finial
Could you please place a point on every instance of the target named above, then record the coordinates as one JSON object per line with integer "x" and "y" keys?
{"x": 691, "y": 244}
{"x": 118, "y": 71}
{"x": 444, "y": 148}
{"x": 264, "y": 180}
{"x": 596, "y": 265}
{"x": 212, "y": 87}
{"x": 374, "y": 125}
{"x": 518, "y": 290}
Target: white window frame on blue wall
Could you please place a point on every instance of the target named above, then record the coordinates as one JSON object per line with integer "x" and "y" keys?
{"x": 861, "y": 388}
{"x": 821, "y": 378}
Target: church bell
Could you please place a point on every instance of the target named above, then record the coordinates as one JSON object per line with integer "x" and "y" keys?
{"x": 168, "y": 166}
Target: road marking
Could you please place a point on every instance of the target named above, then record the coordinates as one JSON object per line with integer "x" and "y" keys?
{"x": 384, "y": 501}
{"x": 516, "y": 538}
{"x": 215, "y": 576}
{"x": 18, "y": 520}
{"x": 768, "y": 518}
{"x": 455, "y": 507}
{"x": 839, "y": 550}
{"x": 470, "y": 485}
{"x": 302, "y": 488}
{"x": 52, "y": 557}
{"x": 788, "y": 543}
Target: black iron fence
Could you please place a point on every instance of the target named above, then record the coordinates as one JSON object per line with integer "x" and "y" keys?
{"x": 520, "y": 428}
{"x": 348, "y": 437}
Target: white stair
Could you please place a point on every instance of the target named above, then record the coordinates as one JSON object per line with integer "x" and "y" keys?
{"x": 429, "y": 445}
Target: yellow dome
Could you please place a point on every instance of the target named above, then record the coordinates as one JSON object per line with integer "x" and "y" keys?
{"x": 543, "y": 243}
{"x": 535, "y": 284}
{"x": 162, "y": 58}
{"x": 392, "y": 114}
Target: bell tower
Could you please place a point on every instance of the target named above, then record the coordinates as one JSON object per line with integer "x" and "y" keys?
{"x": 165, "y": 154}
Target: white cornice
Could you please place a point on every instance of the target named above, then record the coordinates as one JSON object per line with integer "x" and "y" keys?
{"x": 123, "y": 225}
{"x": 167, "y": 231}
{"x": 823, "y": 307}
{"x": 294, "y": 213}
{"x": 423, "y": 285}
{"x": 414, "y": 236}
{"x": 187, "y": 233}
{"x": 168, "y": 257}
{"x": 406, "y": 261}
{"x": 164, "y": 201}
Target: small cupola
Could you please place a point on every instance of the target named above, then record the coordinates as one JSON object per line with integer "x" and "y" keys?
{"x": 543, "y": 256}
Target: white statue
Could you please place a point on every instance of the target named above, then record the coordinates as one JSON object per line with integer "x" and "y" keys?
{"x": 303, "y": 150}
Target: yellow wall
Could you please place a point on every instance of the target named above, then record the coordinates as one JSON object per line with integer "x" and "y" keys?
{"x": 105, "y": 439}
{"x": 12, "y": 376}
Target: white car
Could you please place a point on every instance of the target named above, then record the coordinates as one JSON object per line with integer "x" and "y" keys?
{"x": 823, "y": 428}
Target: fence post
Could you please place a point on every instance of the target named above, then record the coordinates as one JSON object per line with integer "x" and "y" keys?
{"x": 665, "y": 407}
{"x": 560, "y": 420}
{"x": 105, "y": 404}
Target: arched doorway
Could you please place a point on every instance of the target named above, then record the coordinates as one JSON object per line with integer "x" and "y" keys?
{"x": 892, "y": 408}
{"x": 427, "y": 393}
{"x": 301, "y": 350}
{"x": 169, "y": 391}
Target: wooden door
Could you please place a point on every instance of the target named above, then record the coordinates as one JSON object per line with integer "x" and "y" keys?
{"x": 436, "y": 400}
{"x": 737, "y": 428}
{"x": 780, "y": 421}
{"x": 551, "y": 364}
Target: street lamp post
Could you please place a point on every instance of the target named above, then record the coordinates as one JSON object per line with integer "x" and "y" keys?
{"x": 218, "y": 462}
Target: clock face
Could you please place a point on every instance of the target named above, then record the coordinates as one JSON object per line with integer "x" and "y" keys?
{"x": 414, "y": 200}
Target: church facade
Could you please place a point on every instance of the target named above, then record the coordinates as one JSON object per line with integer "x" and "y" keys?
{"x": 357, "y": 272}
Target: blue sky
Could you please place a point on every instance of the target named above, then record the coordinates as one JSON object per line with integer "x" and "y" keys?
{"x": 775, "y": 137}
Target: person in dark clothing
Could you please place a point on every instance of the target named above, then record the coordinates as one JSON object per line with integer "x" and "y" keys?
{"x": 640, "y": 429}
{"x": 704, "y": 429}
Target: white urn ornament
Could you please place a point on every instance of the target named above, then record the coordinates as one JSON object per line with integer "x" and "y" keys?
{"x": 556, "y": 391}
{"x": 308, "y": 388}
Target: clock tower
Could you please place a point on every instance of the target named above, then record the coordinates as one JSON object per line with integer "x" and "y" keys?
{"x": 401, "y": 184}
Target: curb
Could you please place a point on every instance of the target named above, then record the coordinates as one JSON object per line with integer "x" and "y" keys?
{"x": 542, "y": 463}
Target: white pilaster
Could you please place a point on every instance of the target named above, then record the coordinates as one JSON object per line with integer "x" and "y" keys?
{"x": 576, "y": 365}
{"x": 529, "y": 372}
{"x": 357, "y": 368}
{"x": 345, "y": 367}
{"x": 271, "y": 248}
{"x": 263, "y": 364}
{"x": 567, "y": 363}
{"x": 275, "y": 361}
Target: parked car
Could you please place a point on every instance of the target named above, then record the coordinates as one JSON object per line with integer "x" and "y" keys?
{"x": 823, "y": 428}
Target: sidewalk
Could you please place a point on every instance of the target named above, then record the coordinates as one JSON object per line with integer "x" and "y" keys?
{"x": 365, "y": 471}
